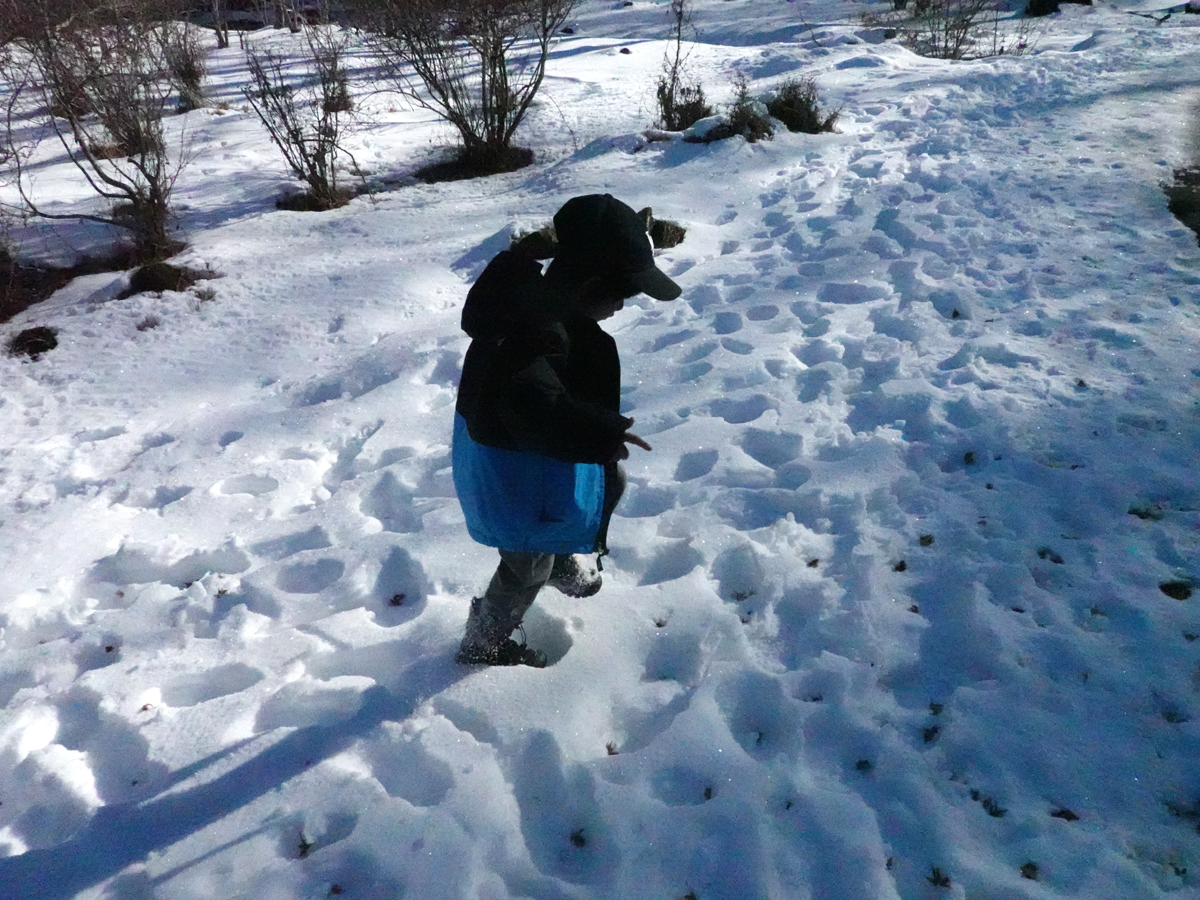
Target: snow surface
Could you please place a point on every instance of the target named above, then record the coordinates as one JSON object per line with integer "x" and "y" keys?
{"x": 877, "y": 606}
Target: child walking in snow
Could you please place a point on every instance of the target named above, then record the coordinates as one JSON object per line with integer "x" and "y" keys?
{"x": 537, "y": 428}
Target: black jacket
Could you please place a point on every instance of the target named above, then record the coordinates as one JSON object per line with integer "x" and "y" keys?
{"x": 538, "y": 377}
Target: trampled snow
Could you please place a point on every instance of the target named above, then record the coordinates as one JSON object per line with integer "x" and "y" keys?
{"x": 883, "y": 616}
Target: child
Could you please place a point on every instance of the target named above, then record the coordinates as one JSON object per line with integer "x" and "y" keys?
{"x": 537, "y": 431}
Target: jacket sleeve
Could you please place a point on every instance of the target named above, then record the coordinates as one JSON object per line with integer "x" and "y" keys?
{"x": 539, "y": 412}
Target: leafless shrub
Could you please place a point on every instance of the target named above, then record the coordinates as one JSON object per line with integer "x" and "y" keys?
{"x": 946, "y": 29}
{"x": 680, "y": 102}
{"x": 476, "y": 63}
{"x": 960, "y": 29}
{"x": 306, "y": 123}
{"x": 184, "y": 56}
{"x": 98, "y": 74}
{"x": 286, "y": 15}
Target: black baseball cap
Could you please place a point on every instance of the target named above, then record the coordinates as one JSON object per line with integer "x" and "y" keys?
{"x": 599, "y": 235}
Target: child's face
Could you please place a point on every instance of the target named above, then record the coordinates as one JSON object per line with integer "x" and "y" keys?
{"x": 600, "y": 298}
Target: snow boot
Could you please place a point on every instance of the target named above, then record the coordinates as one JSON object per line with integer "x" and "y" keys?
{"x": 487, "y": 643}
{"x": 573, "y": 579}
{"x": 506, "y": 653}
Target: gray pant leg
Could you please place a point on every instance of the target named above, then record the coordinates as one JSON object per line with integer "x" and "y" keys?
{"x": 511, "y": 592}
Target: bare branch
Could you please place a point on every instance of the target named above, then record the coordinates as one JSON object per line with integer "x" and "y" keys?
{"x": 476, "y": 63}
{"x": 308, "y": 124}
{"x": 100, "y": 74}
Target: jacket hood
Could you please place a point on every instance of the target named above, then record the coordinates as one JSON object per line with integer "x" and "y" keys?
{"x": 510, "y": 297}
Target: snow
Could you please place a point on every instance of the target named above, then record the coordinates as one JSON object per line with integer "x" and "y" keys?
{"x": 883, "y": 602}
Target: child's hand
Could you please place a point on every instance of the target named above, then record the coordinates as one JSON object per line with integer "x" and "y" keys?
{"x": 630, "y": 438}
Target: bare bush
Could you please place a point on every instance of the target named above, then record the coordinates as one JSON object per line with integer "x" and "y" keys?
{"x": 947, "y": 29}
{"x": 795, "y": 104}
{"x": 97, "y": 75}
{"x": 307, "y": 124}
{"x": 184, "y": 56}
{"x": 286, "y": 15}
{"x": 220, "y": 18}
{"x": 680, "y": 103}
{"x": 960, "y": 29}
{"x": 475, "y": 63}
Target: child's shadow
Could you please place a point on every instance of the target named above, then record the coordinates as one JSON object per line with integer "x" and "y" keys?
{"x": 125, "y": 833}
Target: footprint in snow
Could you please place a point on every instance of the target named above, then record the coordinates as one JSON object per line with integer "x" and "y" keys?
{"x": 549, "y": 634}
{"x": 700, "y": 351}
{"x": 255, "y": 485}
{"x": 638, "y": 726}
{"x": 852, "y": 292}
{"x": 561, "y": 820}
{"x": 682, "y": 786}
{"x": 672, "y": 561}
{"x": 740, "y": 412}
{"x": 291, "y": 544}
{"x": 726, "y": 323}
{"x": 669, "y": 340}
{"x": 448, "y": 369}
{"x": 309, "y": 577}
{"x": 100, "y": 434}
{"x": 401, "y": 588}
{"x": 309, "y": 701}
{"x": 152, "y": 441}
{"x": 362, "y": 377}
{"x": 392, "y": 504}
{"x": 759, "y": 714}
{"x": 116, "y": 752}
{"x": 778, "y": 223}
{"x": 52, "y": 780}
{"x": 703, "y": 296}
{"x": 193, "y": 689}
{"x": 643, "y": 501}
{"x": 695, "y": 464}
{"x": 136, "y": 566}
{"x": 405, "y": 767}
{"x": 772, "y": 198}
{"x": 300, "y": 835}
{"x": 96, "y": 651}
{"x": 162, "y": 497}
{"x": 692, "y": 372}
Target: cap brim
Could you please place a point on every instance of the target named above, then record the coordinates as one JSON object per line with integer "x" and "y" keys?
{"x": 654, "y": 283}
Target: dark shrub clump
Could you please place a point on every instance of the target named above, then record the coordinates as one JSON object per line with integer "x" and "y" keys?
{"x": 1037, "y": 8}
{"x": 540, "y": 244}
{"x": 1183, "y": 198}
{"x": 479, "y": 164}
{"x": 681, "y": 105}
{"x": 747, "y": 117}
{"x": 795, "y": 105}
{"x": 33, "y": 342}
